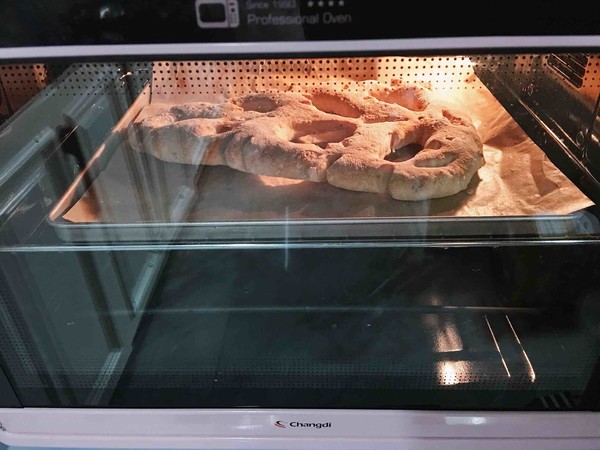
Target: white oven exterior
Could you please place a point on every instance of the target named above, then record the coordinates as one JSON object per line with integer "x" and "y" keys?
{"x": 257, "y": 429}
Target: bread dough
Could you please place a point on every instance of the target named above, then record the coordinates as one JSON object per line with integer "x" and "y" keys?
{"x": 397, "y": 139}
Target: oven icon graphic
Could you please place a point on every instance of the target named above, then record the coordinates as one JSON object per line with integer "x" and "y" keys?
{"x": 217, "y": 13}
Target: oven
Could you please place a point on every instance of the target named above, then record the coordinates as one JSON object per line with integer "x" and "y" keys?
{"x": 271, "y": 224}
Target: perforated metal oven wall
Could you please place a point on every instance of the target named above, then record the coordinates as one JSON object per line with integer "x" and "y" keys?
{"x": 524, "y": 68}
{"x": 228, "y": 78}
{"x": 235, "y": 77}
{"x": 591, "y": 80}
{"x": 20, "y": 82}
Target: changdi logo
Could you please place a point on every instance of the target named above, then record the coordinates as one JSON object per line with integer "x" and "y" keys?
{"x": 317, "y": 425}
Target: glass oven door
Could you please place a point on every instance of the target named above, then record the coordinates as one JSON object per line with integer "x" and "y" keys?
{"x": 145, "y": 265}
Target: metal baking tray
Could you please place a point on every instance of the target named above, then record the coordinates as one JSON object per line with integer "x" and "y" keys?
{"x": 166, "y": 202}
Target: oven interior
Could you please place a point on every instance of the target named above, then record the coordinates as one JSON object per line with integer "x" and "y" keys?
{"x": 129, "y": 281}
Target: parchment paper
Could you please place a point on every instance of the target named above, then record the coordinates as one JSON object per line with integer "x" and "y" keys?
{"x": 517, "y": 180}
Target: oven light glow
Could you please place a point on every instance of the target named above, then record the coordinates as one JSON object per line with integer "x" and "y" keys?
{"x": 523, "y": 352}
{"x": 465, "y": 420}
{"x": 444, "y": 332}
{"x": 448, "y": 340}
{"x": 451, "y": 373}
{"x": 498, "y": 348}
{"x": 448, "y": 375}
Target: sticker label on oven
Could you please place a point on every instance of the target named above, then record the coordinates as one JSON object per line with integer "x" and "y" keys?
{"x": 325, "y": 18}
{"x": 287, "y": 12}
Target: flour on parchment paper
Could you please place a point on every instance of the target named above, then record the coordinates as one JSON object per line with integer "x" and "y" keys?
{"x": 518, "y": 179}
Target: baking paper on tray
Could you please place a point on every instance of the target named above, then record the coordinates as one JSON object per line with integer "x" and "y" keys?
{"x": 518, "y": 179}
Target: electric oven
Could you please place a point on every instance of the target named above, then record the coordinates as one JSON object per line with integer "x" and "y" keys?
{"x": 299, "y": 224}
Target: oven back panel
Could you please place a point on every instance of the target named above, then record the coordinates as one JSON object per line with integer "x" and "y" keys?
{"x": 194, "y": 79}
